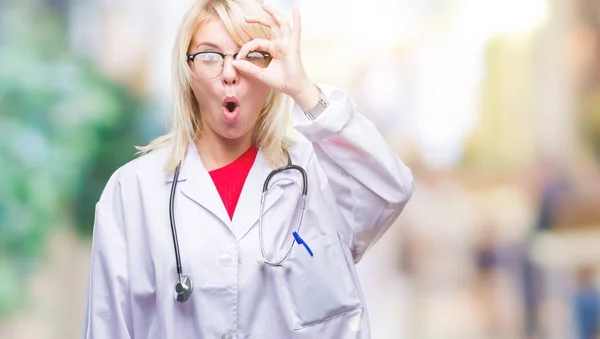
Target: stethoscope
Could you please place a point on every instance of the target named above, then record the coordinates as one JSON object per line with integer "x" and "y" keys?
{"x": 185, "y": 285}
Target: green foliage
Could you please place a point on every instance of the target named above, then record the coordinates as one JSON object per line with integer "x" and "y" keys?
{"x": 64, "y": 128}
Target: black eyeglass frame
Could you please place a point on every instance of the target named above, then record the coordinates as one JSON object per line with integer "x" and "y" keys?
{"x": 192, "y": 56}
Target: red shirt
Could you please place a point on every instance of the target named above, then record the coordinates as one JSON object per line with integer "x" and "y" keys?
{"x": 230, "y": 179}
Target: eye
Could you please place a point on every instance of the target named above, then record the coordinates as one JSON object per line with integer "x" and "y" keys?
{"x": 254, "y": 55}
{"x": 209, "y": 57}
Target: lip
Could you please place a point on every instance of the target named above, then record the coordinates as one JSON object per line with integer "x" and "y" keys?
{"x": 231, "y": 98}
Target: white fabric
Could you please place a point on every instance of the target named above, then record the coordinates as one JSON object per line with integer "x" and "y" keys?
{"x": 357, "y": 187}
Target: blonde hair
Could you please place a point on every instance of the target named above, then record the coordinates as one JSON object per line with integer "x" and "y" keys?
{"x": 186, "y": 125}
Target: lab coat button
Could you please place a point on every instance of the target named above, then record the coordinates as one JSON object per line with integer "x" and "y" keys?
{"x": 225, "y": 260}
{"x": 355, "y": 323}
{"x": 227, "y": 336}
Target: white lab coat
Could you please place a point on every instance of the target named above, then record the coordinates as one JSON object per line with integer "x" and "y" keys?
{"x": 357, "y": 187}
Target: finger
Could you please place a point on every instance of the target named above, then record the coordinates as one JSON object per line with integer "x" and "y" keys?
{"x": 256, "y": 45}
{"x": 247, "y": 68}
{"x": 281, "y": 22}
{"x": 266, "y": 22}
{"x": 296, "y": 30}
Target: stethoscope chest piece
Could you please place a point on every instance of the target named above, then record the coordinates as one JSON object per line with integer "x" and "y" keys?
{"x": 183, "y": 288}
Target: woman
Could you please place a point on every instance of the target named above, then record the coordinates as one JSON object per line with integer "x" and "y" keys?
{"x": 233, "y": 62}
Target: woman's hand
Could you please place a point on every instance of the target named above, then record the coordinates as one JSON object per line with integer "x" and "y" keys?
{"x": 285, "y": 72}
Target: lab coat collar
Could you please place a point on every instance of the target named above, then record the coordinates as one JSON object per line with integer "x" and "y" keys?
{"x": 197, "y": 185}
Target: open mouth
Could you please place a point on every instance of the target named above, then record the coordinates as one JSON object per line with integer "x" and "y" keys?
{"x": 230, "y": 103}
{"x": 231, "y": 108}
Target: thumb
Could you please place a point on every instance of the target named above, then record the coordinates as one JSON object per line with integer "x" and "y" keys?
{"x": 247, "y": 68}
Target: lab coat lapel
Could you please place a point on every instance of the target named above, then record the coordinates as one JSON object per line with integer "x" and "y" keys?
{"x": 199, "y": 186}
{"x": 248, "y": 206}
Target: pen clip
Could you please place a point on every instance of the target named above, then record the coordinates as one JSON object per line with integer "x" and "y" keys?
{"x": 300, "y": 241}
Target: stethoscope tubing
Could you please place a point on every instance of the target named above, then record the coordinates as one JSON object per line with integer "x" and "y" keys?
{"x": 184, "y": 285}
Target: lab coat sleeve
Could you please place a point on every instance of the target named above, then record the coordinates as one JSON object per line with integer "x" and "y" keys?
{"x": 107, "y": 312}
{"x": 370, "y": 184}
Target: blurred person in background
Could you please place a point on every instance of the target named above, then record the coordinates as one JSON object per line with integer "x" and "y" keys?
{"x": 587, "y": 305}
{"x": 553, "y": 188}
{"x": 233, "y": 62}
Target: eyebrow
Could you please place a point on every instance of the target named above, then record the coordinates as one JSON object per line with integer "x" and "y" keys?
{"x": 208, "y": 44}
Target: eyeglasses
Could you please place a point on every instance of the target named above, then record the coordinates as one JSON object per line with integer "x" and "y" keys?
{"x": 208, "y": 65}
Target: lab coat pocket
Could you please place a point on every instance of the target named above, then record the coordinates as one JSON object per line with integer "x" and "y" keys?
{"x": 319, "y": 287}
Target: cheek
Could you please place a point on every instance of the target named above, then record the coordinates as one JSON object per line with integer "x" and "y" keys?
{"x": 203, "y": 92}
{"x": 258, "y": 94}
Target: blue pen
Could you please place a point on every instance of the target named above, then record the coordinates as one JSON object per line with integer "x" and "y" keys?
{"x": 300, "y": 241}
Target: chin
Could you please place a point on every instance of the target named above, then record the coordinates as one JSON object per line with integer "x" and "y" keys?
{"x": 233, "y": 133}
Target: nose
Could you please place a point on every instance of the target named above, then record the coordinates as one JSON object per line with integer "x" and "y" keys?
{"x": 230, "y": 74}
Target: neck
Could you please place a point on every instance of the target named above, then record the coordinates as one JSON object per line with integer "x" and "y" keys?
{"x": 217, "y": 151}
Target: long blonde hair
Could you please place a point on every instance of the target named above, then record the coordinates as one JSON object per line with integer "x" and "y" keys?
{"x": 186, "y": 125}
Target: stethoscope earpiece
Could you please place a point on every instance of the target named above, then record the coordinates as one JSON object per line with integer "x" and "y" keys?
{"x": 183, "y": 288}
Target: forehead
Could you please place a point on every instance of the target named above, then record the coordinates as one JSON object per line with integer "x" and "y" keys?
{"x": 213, "y": 33}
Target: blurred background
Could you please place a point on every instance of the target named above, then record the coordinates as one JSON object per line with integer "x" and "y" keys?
{"x": 494, "y": 104}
